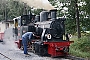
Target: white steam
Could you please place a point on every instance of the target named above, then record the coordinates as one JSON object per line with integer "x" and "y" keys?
{"x": 41, "y": 4}
{"x": 9, "y": 40}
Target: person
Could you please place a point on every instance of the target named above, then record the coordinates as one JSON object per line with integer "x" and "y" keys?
{"x": 25, "y": 38}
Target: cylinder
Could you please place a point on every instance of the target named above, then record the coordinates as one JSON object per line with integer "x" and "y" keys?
{"x": 43, "y": 16}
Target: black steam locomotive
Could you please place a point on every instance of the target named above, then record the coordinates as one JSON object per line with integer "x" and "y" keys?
{"x": 50, "y": 36}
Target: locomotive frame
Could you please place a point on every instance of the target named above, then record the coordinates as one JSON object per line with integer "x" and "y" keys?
{"x": 49, "y": 30}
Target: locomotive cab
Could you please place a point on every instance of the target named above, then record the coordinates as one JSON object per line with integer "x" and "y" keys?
{"x": 25, "y": 24}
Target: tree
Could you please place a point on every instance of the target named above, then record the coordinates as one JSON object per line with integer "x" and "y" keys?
{"x": 77, "y": 19}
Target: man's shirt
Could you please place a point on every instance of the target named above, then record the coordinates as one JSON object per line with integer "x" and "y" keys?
{"x": 27, "y": 35}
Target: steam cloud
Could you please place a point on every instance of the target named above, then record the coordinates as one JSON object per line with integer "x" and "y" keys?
{"x": 41, "y": 4}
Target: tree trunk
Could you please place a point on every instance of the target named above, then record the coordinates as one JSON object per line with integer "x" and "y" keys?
{"x": 77, "y": 20}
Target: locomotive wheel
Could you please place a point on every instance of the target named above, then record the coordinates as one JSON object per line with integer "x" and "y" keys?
{"x": 36, "y": 48}
{"x": 41, "y": 49}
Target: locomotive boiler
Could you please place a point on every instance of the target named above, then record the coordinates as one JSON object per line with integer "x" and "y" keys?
{"x": 49, "y": 31}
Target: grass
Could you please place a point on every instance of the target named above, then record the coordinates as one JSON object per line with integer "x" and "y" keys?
{"x": 80, "y": 47}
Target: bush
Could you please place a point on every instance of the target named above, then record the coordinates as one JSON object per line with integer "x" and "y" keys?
{"x": 81, "y": 47}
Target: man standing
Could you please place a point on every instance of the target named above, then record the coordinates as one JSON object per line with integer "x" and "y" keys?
{"x": 25, "y": 38}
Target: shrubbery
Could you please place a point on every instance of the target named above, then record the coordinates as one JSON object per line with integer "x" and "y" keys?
{"x": 81, "y": 47}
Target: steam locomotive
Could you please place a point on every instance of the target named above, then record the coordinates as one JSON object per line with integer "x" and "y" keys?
{"x": 50, "y": 36}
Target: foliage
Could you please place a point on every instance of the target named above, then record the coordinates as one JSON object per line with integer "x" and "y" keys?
{"x": 87, "y": 20}
{"x": 10, "y": 9}
{"x": 81, "y": 47}
{"x": 71, "y": 19}
{"x": 87, "y": 7}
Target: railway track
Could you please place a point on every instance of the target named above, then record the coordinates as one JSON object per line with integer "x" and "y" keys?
{"x": 5, "y": 56}
{"x": 58, "y": 58}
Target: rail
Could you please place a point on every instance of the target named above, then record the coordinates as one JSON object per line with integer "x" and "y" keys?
{"x": 5, "y": 56}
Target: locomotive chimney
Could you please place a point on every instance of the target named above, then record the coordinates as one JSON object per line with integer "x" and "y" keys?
{"x": 53, "y": 13}
{"x": 43, "y": 16}
{"x": 37, "y": 18}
